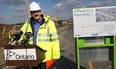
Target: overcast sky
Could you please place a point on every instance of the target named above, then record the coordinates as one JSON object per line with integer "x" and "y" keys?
{"x": 14, "y": 11}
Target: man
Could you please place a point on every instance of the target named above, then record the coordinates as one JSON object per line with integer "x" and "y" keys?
{"x": 44, "y": 35}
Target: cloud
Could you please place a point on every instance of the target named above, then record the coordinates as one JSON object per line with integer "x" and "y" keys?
{"x": 108, "y": 1}
{"x": 68, "y": 5}
{"x": 13, "y": 19}
{"x": 17, "y": 14}
{"x": 59, "y": 6}
{"x": 14, "y": 2}
{"x": 1, "y": 15}
{"x": 16, "y": 11}
{"x": 57, "y": 1}
{"x": 67, "y": 2}
{"x": 19, "y": 9}
{"x": 50, "y": 12}
{"x": 65, "y": 7}
{"x": 18, "y": 18}
{"x": 96, "y": 4}
{"x": 73, "y": 2}
{"x": 100, "y": 3}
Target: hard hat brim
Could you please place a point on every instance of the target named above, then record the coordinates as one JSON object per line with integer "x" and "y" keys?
{"x": 35, "y": 10}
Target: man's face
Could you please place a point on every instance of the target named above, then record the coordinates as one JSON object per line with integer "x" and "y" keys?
{"x": 36, "y": 14}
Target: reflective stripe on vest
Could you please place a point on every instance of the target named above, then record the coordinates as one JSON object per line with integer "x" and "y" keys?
{"x": 42, "y": 34}
{"x": 47, "y": 40}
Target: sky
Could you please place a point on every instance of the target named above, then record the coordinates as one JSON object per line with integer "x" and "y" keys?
{"x": 14, "y": 11}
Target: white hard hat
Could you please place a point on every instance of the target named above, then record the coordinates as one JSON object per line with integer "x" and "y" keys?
{"x": 34, "y": 6}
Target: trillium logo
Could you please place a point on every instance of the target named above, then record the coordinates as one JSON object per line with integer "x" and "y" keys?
{"x": 9, "y": 54}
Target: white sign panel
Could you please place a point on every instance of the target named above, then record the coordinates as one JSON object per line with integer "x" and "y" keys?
{"x": 99, "y": 21}
{"x": 20, "y": 54}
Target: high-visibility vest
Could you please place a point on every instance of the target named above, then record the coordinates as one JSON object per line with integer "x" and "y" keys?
{"x": 47, "y": 38}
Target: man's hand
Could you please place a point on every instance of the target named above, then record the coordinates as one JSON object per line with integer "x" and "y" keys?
{"x": 13, "y": 31}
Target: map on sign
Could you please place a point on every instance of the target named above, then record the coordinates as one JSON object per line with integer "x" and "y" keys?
{"x": 100, "y": 21}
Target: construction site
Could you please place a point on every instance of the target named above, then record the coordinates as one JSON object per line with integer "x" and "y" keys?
{"x": 67, "y": 48}
{"x": 87, "y": 37}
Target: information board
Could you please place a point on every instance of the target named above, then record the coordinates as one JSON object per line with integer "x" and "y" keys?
{"x": 99, "y": 21}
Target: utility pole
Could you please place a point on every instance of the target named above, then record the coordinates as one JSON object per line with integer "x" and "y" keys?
{"x": 27, "y": 8}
